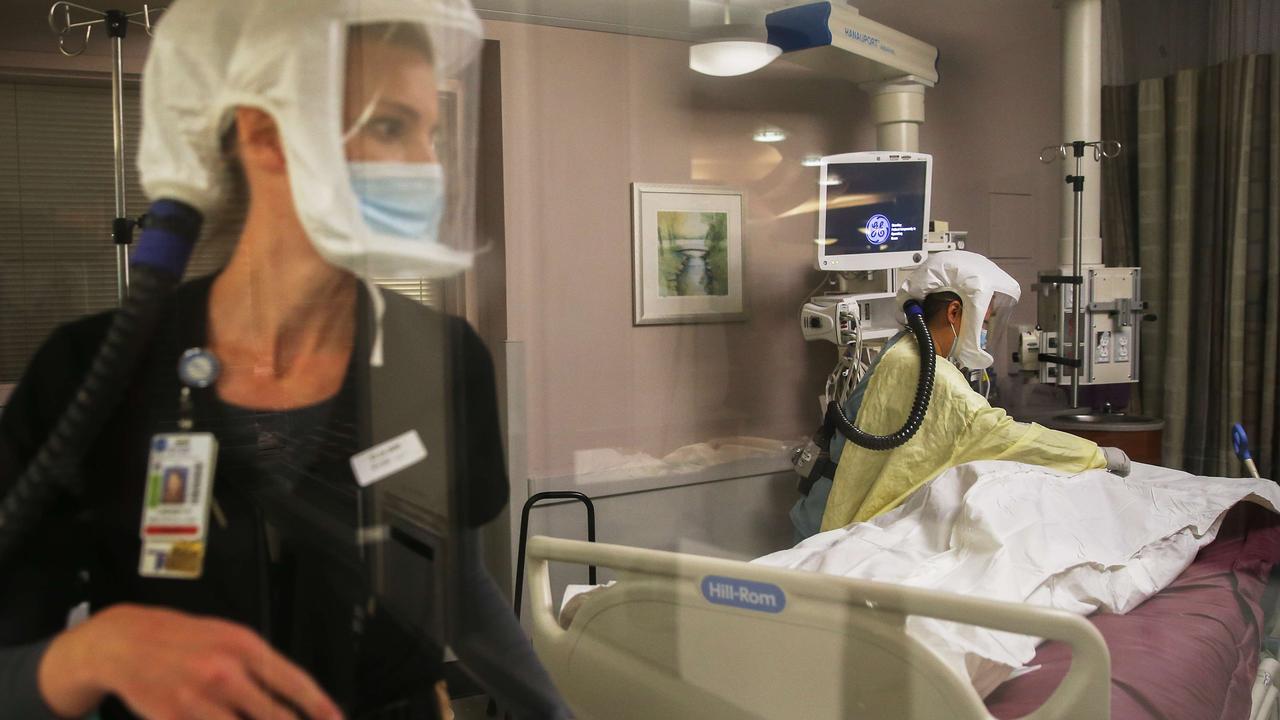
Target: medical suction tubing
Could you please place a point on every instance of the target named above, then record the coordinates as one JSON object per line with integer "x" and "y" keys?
{"x": 924, "y": 390}
{"x": 168, "y": 235}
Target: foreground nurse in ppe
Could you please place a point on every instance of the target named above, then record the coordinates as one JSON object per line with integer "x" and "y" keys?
{"x": 281, "y": 598}
{"x": 965, "y": 298}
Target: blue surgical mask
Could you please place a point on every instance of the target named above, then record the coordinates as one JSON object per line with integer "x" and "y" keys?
{"x": 403, "y": 200}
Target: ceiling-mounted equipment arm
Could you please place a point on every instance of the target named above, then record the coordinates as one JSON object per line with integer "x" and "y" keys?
{"x": 890, "y": 66}
{"x": 836, "y": 38}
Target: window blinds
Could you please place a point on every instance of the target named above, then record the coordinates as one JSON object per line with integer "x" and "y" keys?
{"x": 57, "y": 260}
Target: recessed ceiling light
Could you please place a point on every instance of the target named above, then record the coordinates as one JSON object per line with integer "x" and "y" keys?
{"x": 769, "y": 135}
{"x": 811, "y": 161}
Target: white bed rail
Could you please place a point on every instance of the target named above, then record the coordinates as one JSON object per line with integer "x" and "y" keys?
{"x": 660, "y": 644}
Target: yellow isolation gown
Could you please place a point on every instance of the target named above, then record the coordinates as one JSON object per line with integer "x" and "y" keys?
{"x": 960, "y": 426}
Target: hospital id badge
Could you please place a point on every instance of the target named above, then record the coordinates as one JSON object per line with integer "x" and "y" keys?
{"x": 175, "y": 505}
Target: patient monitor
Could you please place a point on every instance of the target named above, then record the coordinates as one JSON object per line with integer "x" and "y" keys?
{"x": 873, "y": 220}
{"x": 873, "y": 210}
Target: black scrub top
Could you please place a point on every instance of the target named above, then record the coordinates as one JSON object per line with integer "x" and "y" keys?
{"x": 283, "y": 483}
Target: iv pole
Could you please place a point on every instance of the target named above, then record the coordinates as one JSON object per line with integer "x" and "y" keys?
{"x": 117, "y": 24}
{"x": 1101, "y": 149}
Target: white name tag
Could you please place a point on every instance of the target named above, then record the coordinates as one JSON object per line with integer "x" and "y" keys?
{"x": 388, "y": 458}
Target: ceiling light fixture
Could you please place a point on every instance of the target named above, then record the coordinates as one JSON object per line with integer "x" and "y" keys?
{"x": 769, "y": 135}
{"x": 727, "y": 50}
{"x": 734, "y": 56}
{"x": 811, "y": 161}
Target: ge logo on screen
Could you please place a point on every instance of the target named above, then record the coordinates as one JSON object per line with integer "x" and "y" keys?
{"x": 878, "y": 229}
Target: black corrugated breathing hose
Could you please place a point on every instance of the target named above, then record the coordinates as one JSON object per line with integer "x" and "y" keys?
{"x": 924, "y": 391}
{"x": 169, "y": 232}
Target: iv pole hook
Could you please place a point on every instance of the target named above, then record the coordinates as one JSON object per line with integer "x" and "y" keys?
{"x": 67, "y": 26}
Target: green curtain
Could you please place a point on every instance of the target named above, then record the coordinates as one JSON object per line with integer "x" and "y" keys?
{"x": 1197, "y": 205}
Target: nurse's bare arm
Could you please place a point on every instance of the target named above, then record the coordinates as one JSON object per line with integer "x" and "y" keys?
{"x": 167, "y": 664}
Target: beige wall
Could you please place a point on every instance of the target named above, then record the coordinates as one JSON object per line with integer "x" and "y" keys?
{"x": 586, "y": 113}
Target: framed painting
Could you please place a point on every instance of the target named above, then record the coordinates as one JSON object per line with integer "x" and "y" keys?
{"x": 687, "y": 254}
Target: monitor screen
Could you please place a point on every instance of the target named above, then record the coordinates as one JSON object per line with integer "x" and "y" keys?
{"x": 875, "y": 207}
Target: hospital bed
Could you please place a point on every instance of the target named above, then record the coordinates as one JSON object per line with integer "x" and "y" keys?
{"x": 691, "y": 636}
{"x": 653, "y": 646}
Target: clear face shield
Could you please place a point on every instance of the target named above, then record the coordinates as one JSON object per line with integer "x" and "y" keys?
{"x": 976, "y": 336}
{"x": 409, "y": 107}
{"x": 996, "y": 325}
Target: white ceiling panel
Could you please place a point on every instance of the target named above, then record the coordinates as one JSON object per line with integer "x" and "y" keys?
{"x": 678, "y": 19}
{"x": 26, "y": 27}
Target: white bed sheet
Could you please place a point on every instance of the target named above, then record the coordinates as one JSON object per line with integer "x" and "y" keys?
{"x": 1021, "y": 533}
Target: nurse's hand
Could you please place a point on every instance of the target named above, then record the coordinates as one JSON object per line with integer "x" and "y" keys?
{"x": 166, "y": 664}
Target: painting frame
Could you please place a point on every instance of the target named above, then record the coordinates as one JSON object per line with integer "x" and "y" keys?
{"x": 713, "y": 291}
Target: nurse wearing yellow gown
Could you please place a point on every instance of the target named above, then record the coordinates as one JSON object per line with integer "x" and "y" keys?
{"x": 963, "y": 293}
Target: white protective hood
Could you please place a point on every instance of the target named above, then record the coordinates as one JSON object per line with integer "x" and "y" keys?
{"x": 978, "y": 282}
{"x": 287, "y": 58}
